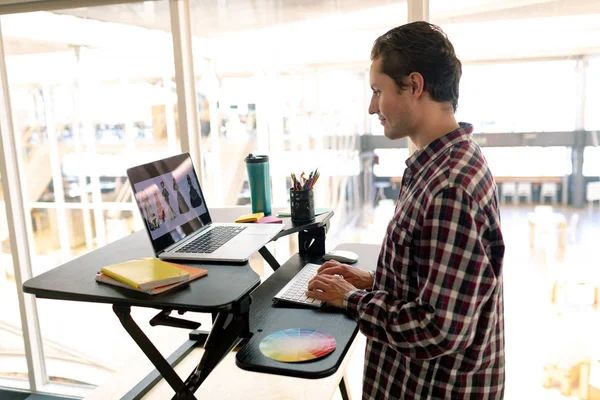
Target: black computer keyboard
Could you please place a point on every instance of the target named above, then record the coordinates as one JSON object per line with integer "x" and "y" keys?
{"x": 211, "y": 240}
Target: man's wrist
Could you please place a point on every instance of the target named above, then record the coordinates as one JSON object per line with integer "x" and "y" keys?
{"x": 372, "y": 273}
{"x": 372, "y": 282}
{"x": 352, "y": 299}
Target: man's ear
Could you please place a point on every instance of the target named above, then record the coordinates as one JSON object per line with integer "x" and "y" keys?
{"x": 417, "y": 83}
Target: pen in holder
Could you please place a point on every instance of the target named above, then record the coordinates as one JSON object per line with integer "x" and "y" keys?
{"x": 302, "y": 205}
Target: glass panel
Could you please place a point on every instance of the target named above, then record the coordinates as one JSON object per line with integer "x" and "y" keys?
{"x": 390, "y": 162}
{"x": 95, "y": 109}
{"x": 534, "y": 161}
{"x": 13, "y": 364}
{"x": 300, "y": 87}
{"x": 507, "y": 96}
{"x": 46, "y": 246}
{"x": 119, "y": 223}
{"x": 592, "y": 97}
{"x": 591, "y": 161}
{"x": 490, "y": 107}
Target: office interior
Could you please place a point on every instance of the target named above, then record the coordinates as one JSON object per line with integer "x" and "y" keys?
{"x": 91, "y": 87}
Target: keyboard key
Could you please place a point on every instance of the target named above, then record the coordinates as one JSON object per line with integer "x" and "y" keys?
{"x": 295, "y": 290}
{"x": 211, "y": 240}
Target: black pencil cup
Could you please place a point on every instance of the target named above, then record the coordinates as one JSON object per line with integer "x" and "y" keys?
{"x": 302, "y": 205}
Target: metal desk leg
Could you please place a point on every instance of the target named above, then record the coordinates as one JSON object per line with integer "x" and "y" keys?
{"x": 266, "y": 254}
{"x": 145, "y": 385}
{"x": 201, "y": 335}
{"x": 227, "y": 329}
{"x": 344, "y": 388}
{"x": 162, "y": 365}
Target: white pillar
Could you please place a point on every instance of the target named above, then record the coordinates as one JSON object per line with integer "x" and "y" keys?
{"x": 87, "y": 82}
{"x": 418, "y": 10}
{"x": 170, "y": 123}
{"x": 79, "y": 150}
{"x": 187, "y": 108}
{"x": 57, "y": 178}
{"x": 126, "y": 99}
{"x": 211, "y": 91}
{"x": 578, "y": 199}
{"x": 19, "y": 239}
{"x": 263, "y": 110}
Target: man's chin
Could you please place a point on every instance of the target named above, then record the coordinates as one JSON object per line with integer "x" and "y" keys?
{"x": 393, "y": 135}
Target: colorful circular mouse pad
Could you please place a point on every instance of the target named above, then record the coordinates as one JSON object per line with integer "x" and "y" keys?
{"x": 297, "y": 345}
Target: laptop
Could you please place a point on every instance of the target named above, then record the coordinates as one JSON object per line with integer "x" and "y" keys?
{"x": 178, "y": 221}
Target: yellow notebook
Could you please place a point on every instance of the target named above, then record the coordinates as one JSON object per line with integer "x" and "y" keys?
{"x": 195, "y": 273}
{"x": 250, "y": 217}
{"x": 146, "y": 273}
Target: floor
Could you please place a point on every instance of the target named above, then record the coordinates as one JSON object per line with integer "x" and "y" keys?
{"x": 537, "y": 331}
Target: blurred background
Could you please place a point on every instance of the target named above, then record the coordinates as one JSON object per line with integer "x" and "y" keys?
{"x": 93, "y": 90}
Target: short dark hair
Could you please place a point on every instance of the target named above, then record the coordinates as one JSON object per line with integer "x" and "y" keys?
{"x": 424, "y": 48}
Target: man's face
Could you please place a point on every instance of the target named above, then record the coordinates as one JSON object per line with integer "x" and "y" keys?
{"x": 391, "y": 104}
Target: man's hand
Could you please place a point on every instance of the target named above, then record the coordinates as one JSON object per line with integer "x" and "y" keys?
{"x": 329, "y": 288}
{"x": 357, "y": 277}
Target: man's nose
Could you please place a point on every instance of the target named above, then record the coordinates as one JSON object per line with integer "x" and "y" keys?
{"x": 373, "y": 109}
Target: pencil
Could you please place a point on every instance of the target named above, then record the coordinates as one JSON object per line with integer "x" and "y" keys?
{"x": 316, "y": 179}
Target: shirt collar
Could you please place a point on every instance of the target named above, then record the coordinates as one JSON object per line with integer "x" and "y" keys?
{"x": 420, "y": 158}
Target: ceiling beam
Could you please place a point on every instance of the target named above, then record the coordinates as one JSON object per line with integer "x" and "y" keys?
{"x": 15, "y": 6}
{"x": 516, "y": 10}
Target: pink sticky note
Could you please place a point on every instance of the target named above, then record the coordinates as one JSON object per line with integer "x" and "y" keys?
{"x": 269, "y": 219}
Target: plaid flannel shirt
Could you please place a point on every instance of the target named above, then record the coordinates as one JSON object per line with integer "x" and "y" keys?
{"x": 434, "y": 318}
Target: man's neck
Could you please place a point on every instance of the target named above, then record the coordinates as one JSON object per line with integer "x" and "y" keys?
{"x": 436, "y": 124}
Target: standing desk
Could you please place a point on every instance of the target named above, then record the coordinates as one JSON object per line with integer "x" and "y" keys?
{"x": 229, "y": 381}
{"x": 225, "y": 293}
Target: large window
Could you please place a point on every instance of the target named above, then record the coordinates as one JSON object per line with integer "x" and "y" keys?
{"x": 93, "y": 92}
{"x": 592, "y": 96}
{"x": 288, "y": 81}
{"x": 519, "y": 97}
{"x": 528, "y": 161}
{"x": 91, "y": 96}
{"x": 591, "y": 161}
{"x": 102, "y": 97}
{"x": 13, "y": 366}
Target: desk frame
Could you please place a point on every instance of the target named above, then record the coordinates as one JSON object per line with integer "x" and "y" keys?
{"x": 228, "y": 327}
{"x": 227, "y": 330}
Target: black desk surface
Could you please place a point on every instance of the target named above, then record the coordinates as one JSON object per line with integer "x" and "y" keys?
{"x": 225, "y": 283}
{"x": 266, "y": 318}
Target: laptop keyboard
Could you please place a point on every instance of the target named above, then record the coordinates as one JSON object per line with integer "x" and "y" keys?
{"x": 211, "y": 240}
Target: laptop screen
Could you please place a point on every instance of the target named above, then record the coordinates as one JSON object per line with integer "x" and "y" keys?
{"x": 170, "y": 200}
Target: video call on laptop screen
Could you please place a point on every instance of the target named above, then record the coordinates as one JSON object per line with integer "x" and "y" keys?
{"x": 169, "y": 198}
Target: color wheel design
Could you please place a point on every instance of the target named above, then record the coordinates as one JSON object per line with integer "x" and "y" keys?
{"x": 297, "y": 345}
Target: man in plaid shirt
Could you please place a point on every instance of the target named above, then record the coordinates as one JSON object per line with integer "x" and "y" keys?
{"x": 433, "y": 310}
